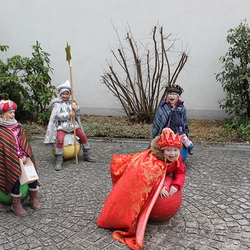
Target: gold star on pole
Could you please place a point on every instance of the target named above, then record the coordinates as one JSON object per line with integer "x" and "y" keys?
{"x": 68, "y": 55}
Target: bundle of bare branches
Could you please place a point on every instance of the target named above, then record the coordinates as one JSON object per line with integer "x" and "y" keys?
{"x": 141, "y": 83}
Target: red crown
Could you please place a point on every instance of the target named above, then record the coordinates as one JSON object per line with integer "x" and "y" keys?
{"x": 169, "y": 139}
{"x": 7, "y": 105}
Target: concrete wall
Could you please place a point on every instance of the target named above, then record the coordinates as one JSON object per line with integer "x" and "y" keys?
{"x": 88, "y": 27}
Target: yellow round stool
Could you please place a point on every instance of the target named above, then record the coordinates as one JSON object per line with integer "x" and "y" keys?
{"x": 69, "y": 151}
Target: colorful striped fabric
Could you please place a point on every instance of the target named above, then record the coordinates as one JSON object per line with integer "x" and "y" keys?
{"x": 9, "y": 163}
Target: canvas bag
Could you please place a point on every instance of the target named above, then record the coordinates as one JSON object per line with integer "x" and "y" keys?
{"x": 29, "y": 173}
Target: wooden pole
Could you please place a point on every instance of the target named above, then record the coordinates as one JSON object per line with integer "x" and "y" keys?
{"x": 68, "y": 58}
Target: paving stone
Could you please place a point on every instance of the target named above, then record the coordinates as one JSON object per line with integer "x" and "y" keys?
{"x": 214, "y": 212}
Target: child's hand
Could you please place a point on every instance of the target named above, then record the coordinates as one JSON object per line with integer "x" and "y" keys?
{"x": 74, "y": 106}
{"x": 24, "y": 159}
{"x": 173, "y": 190}
{"x": 72, "y": 114}
{"x": 164, "y": 193}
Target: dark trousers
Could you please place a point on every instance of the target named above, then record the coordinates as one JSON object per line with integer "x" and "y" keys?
{"x": 15, "y": 188}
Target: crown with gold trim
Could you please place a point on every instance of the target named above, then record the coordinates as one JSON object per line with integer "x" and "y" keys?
{"x": 169, "y": 139}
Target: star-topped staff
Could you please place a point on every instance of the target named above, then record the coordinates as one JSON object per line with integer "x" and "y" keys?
{"x": 68, "y": 59}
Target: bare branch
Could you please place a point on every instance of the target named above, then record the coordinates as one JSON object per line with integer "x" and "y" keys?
{"x": 142, "y": 88}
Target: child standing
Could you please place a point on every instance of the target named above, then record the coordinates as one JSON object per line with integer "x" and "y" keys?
{"x": 137, "y": 179}
{"x": 171, "y": 113}
{"x": 14, "y": 146}
{"x": 60, "y": 124}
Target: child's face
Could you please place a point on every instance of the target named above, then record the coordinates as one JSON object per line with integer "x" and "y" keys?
{"x": 171, "y": 153}
{"x": 172, "y": 98}
{"x": 9, "y": 116}
{"x": 65, "y": 95}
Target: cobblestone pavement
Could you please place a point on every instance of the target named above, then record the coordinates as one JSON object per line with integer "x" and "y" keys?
{"x": 215, "y": 211}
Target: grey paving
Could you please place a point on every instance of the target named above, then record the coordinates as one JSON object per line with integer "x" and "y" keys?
{"x": 215, "y": 212}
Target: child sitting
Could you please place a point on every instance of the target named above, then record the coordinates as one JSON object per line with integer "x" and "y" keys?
{"x": 60, "y": 123}
{"x": 171, "y": 113}
{"x": 137, "y": 179}
{"x": 14, "y": 146}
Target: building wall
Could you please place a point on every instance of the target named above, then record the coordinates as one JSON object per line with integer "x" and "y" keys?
{"x": 90, "y": 27}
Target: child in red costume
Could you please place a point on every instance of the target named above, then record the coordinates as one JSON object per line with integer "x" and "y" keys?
{"x": 137, "y": 179}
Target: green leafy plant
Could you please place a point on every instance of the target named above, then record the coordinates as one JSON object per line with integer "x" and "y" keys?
{"x": 239, "y": 133}
{"x": 27, "y": 82}
{"x": 243, "y": 132}
{"x": 4, "y": 47}
{"x": 235, "y": 76}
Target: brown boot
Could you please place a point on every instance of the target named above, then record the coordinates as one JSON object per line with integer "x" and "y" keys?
{"x": 17, "y": 206}
{"x": 33, "y": 199}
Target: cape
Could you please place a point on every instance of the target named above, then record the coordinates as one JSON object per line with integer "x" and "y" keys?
{"x": 137, "y": 181}
{"x": 10, "y": 169}
{"x": 51, "y": 133}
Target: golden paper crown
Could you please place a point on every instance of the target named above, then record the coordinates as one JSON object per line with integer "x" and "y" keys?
{"x": 169, "y": 139}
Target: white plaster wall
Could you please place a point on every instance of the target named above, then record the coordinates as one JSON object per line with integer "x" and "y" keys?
{"x": 201, "y": 25}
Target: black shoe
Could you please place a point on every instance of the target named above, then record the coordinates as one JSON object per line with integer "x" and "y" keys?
{"x": 191, "y": 151}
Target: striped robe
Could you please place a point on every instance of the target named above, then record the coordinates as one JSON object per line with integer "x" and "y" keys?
{"x": 9, "y": 162}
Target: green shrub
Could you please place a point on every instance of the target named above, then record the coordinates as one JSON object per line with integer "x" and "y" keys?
{"x": 239, "y": 133}
{"x": 27, "y": 82}
{"x": 235, "y": 76}
{"x": 227, "y": 130}
{"x": 243, "y": 132}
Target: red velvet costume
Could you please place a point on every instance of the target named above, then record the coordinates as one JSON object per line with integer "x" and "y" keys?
{"x": 137, "y": 181}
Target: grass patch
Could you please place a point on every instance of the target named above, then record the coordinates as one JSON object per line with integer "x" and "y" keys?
{"x": 111, "y": 127}
{"x": 115, "y": 127}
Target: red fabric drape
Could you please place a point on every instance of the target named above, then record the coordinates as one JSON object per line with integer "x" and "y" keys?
{"x": 135, "y": 179}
